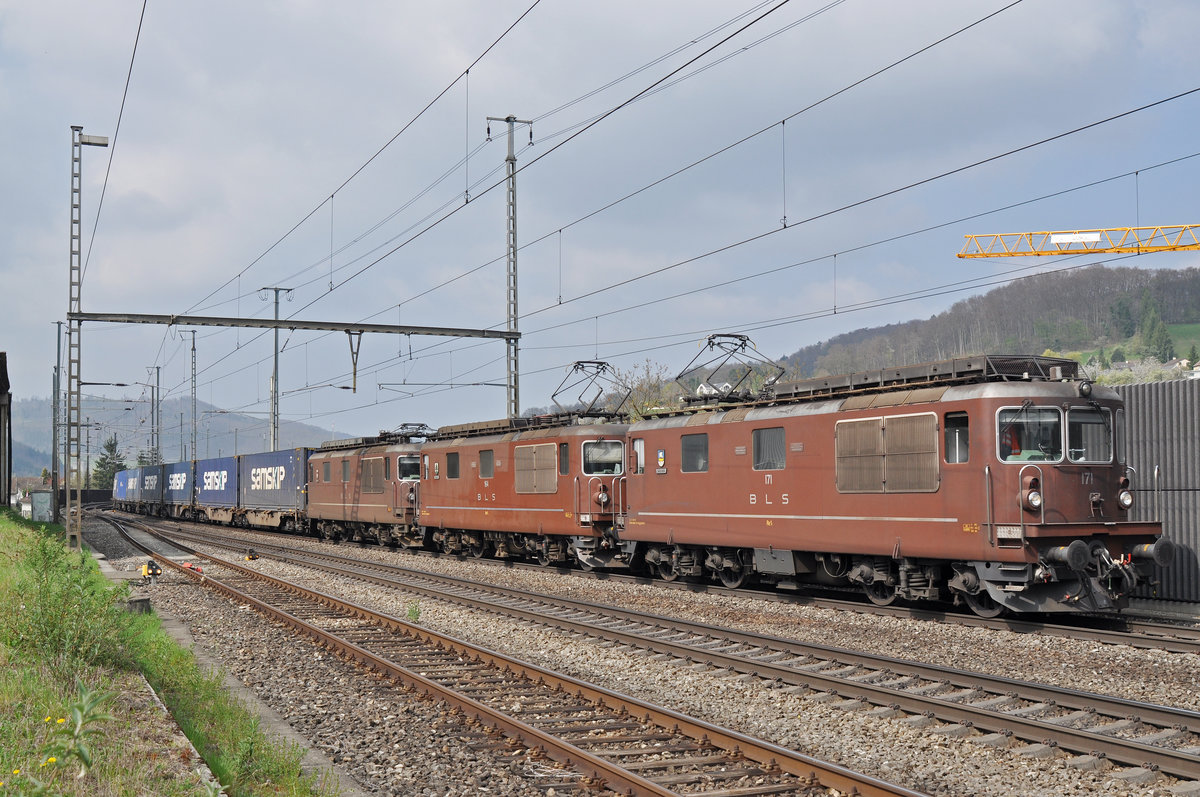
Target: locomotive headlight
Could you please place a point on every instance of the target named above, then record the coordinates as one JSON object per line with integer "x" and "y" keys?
{"x": 1125, "y": 499}
{"x": 1031, "y": 493}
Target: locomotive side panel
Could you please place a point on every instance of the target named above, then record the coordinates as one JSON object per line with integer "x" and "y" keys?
{"x": 808, "y": 479}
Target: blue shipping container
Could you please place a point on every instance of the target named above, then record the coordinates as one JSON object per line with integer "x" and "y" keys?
{"x": 273, "y": 480}
{"x": 125, "y": 485}
{"x": 179, "y": 482}
{"x": 150, "y": 484}
{"x": 216, "y": 482}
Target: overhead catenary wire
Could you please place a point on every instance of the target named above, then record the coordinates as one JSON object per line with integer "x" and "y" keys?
{"x": 559, "y": 228}
{"x": 381, "y": 150}
{"x": 112, "y": 150}
{"x": 936, "y": 176}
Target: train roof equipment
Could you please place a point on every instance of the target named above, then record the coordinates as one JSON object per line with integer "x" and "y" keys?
{"x": 943, "y": 373}
{"x": 734, "y": 357}
{"x": 405, "y": 433}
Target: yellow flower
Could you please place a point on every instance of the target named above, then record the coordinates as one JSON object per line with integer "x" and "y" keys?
{"x": 47, "y": 719}
{"x": 16, "y": 772}
{"x": 61, "y": 720}
{"x": 51, "y": 760}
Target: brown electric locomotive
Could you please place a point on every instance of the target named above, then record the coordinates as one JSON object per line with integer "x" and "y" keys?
{"x": 999, "y": 481}
{"x": 545, "y": 488}
{"x": 365, "y": 489}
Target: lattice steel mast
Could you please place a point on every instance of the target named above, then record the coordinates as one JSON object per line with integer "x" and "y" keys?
{"x": 74, "y": 342}
{"x": 514, "y": 391}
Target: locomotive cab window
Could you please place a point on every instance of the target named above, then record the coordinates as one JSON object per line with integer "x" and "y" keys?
{"x": 451, "y": 464}
{"x": 408, "y": 467}
{"x": 564, "y": 459}
{"x": 603, "y": 457}
{"x": 639, "y": 455}
{"x": 487, "y": 464}
{"x": 769, "y": 448}
{"x": 326, "y": 467}
{"x": 693, "y": 454}
{"x": 956, "y": 438}
{"x": 1029, "y": 434}
{"x": 1089, "y": 435}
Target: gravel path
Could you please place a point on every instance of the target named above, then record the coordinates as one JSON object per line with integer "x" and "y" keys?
{"x": 394, "y": 743}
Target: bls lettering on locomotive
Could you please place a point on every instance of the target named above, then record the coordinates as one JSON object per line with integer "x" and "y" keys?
{"x": 267, "y": 478}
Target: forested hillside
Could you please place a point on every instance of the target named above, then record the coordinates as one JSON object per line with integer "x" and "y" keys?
{"x": 1081, "y": 310}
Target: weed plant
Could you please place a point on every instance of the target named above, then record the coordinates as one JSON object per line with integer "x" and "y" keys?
{"x": 73, "y": 703}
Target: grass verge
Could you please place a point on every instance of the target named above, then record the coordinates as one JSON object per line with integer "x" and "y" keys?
{"x": 75, "y": 715}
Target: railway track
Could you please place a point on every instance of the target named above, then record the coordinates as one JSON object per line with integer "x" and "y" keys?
{"x": 1126, "y": 732}
{"x": 612, "y": 741}
{"x": 1131, "y": 630}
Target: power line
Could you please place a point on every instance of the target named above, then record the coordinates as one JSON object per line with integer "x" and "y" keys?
{"x": 112, "y": 151}
{"x": 379, "y": 152}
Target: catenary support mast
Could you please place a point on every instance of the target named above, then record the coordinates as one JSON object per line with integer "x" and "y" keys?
{"x": 514, "y": 391}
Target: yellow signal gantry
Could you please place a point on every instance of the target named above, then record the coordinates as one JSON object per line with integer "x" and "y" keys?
{"x": 1113, "y": 240}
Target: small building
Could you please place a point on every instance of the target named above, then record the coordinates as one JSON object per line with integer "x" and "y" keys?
{"x": 6, "y": 443}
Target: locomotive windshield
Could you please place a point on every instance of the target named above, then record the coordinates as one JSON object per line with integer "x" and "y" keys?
{"x": 603, "y": 457}
{"x": 1089, "y": 435}
{"x": 1030, "y": 434}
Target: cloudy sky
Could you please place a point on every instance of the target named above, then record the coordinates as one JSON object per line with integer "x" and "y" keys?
{"x": 790, "y": 170}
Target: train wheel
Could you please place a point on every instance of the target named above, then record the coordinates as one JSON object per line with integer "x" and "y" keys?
{"x": 880, "y": 593}
{"x": 666, "y": 571}
{"x": 479, "y": 550}
{"x": 730, "y": 578}
{"x": 983, "y": 604}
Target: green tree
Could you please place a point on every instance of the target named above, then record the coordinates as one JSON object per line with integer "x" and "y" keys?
{"x": 1121, "y": 318}
{"x": 1192, "y": 355}
{"x": 109, "y": 463}
{"x": 1155, "y": 337}
{"x": 653, "y": 388}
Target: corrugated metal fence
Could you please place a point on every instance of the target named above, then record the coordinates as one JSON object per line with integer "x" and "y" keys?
{"x": 1164, "y": 432}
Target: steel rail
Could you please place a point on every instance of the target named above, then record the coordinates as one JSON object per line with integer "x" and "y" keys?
{"x": 1126, "y": 751}
{"x": 1136, "y": 633}
{"x": 608, "y": 773}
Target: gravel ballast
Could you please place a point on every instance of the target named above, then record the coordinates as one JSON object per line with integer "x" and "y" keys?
{"x": 393, "y": 742}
